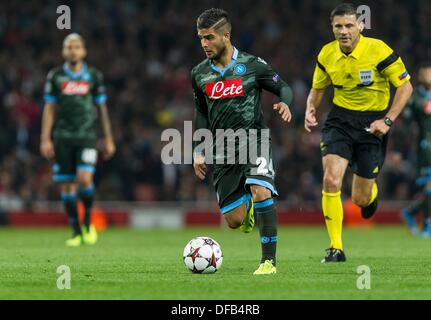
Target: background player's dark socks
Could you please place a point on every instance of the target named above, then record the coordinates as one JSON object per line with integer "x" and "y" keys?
{"x": 426, "y": 208}
{"x": 267, "y": 221}
{"x": 87, "y": 197}
{"x": 417, "y": 207}
{"x": 69, "y": 200}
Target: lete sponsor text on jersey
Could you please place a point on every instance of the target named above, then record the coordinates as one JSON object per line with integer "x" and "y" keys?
{"x": 224, "y": 89}
{"x": 75, "y": 88}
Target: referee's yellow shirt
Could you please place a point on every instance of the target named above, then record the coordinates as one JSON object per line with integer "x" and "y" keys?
{"x": 360, "y": 79}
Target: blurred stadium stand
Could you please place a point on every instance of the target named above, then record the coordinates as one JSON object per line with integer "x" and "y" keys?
{"x": 146, "y": 50}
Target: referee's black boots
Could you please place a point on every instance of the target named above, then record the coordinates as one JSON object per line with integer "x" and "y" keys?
{"x": 368, "y": 211}
{"x": 334, "y": 255}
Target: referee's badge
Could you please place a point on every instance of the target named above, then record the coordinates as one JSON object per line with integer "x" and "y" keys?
{"x": 366, "y": 77}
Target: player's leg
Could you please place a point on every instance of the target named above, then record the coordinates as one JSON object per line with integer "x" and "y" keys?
{"x": 64, "y": 176}
{"x": 334, "y": 168}
{"x": 409, "y": 213}
{"x": 423, "y": 205}
{"x": 69, "y": 197}
{"x": 426, "y": 212}
{"x": 86, "y": 193}
{"x": 234, "y": 201}
{"x": 364, "y": 195}
{"x": 267, "y": 222}
{"x": 87, "y": 158}
{"x": 337, "y": 152}
{"x": 235, "y": 217}
{"x": 259, "y": 183}
{"x": 369, "y": 157}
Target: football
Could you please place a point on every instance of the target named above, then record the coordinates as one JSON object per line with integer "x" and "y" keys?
{"x": 203, "y": 255}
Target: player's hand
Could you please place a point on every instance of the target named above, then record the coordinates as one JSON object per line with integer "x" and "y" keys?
{"x": 379, "y": 128}
{"x": 47, "y": 149}
{"x": 283, "y": 110}
{"x": 310, "y": 119}
{"x": 200, "y": 167}
{"x": 109, "y": 149}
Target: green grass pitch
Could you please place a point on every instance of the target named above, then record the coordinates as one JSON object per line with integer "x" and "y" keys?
{"x": 138, "y": 264}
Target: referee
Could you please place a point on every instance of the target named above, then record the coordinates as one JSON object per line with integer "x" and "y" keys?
{"x": 355, "y": 133}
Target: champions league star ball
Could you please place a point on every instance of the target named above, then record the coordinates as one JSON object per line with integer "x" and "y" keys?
{"x": 203, "y": 255}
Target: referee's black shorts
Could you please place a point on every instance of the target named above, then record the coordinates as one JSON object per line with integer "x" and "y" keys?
{"x": 345, "y": 134}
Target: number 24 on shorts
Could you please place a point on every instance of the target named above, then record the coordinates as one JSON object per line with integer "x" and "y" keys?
{"x": 262, "y": 168}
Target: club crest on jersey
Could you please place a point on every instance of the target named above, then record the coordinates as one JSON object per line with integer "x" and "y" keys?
{"x": 224, "y": 89}
{"x": 366, "y": 77}
{"x": 75, "y": 88}
{"x": 239, "y": 69}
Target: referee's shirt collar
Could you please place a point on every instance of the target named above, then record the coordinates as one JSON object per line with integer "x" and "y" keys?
{"x": 357, "y": 52}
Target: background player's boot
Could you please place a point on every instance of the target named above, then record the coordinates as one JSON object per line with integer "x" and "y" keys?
{"x": 410, "y": 221}
{"x": 334, "y": 255}
{"x": 427, "y": 229}
{"x": 248, "y": 223}
{"x": 75, "y": 241}
{"x": 266, "y": 268}
{"x": 89, "y": 236}
{"x": 427, "y": 233}
{"x": 368, "y": 211}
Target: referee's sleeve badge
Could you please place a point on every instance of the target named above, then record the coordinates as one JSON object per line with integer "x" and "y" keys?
{"x": 404, "y": 75}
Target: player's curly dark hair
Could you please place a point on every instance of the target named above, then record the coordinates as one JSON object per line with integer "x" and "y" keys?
{"x": 344, "y": 9}
{"x": 214, "y": 18}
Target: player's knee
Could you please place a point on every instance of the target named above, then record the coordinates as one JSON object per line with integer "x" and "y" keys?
{"x": 85, "y": 180}
{"x": 331, "y": 183}
{"x": 260, "y": 193}
{"x": 361, "y": 199}
{"x": 68, "y": 187}
{"x": 232, "y": 221}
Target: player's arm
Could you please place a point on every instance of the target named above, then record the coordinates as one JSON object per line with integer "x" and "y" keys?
{"x": 270, "y": 81}
{"x": 48, "y": 117}
{"x": 200, "y": 122}
{"x": 109, "y": 147}
{"x": 321, "y": 80}
{"x": 394, "y": 69}
{"x": 100, "y": 97}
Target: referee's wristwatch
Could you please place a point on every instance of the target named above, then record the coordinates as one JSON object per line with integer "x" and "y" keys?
{"x": 388, "y": 122}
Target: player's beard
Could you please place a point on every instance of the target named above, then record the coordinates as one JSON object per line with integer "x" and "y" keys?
{"x": 73, "y": 62}
{"x": 220, "y": 53}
